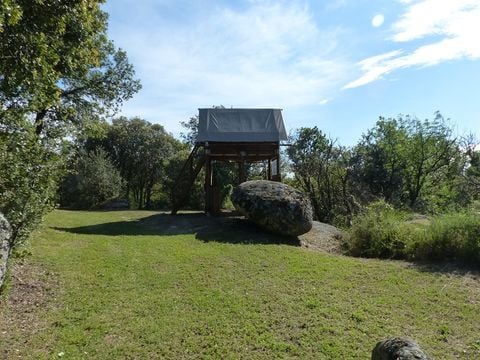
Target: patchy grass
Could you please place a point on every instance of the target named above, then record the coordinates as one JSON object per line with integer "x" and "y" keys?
{"x": 143, "y": 285}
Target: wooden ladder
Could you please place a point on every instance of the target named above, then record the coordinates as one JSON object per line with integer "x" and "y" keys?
{"x": 187, "y": 176}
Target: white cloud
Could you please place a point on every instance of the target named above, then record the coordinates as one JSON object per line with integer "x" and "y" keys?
{"x": 324, "y": 102}
{"x": 269, "y": 54}
{"x": 453, "y": 27}
{"x": 378, "y": 20}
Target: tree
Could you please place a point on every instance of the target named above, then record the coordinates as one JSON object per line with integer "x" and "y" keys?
{"x": 379, "y": 160}
{"x": 58, "y": 74}
{"x": 432, "y": 151}
{"x": 140, "y": 150}
{"x": 190, "y": 136}
{"x": 29, "y": 172}
{"x": 410, "y": 163}
{"x": 58, "y": 66}
{"x": 321, "y": 171}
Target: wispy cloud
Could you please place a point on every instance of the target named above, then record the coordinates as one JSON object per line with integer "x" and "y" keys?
{"x": 268, "y": 53}
{"x": 452, "y": 26}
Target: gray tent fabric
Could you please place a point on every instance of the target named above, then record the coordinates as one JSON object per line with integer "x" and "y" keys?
{"x": 241, "y": 125}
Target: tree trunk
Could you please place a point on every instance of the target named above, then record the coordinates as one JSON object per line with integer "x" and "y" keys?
{"x": 39, "y": 123}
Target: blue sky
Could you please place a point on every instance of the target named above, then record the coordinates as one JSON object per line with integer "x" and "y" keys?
{"x": 338, "y": 64}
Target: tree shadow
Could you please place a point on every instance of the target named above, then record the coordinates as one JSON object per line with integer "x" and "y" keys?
{"x": 227, "y": 228}
{"x": 235, "y": 230}
{"x": 456, "y": 268}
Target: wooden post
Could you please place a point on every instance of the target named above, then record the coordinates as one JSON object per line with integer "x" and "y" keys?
{"x": 269, "y": 170}
{"x": 208, "y": 185}
{"x": 241, "y": 172}
{"x": 279, "y": 173}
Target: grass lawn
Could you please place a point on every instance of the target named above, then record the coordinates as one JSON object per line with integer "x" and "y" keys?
{"x": 144, "y": 285}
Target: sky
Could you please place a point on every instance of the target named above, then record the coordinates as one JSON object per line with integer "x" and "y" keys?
{"x": 337, "y": 64}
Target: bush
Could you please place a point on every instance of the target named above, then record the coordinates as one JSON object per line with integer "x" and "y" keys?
{"x": 453, "y": 236}
{"x": 380, "y": 231}
{"x": 29, "y": 171}
{"x": 94, "y": 181}
{"x": 383, "y": 232}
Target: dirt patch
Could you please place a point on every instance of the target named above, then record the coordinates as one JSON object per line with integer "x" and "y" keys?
{"x": 31, "y": 290}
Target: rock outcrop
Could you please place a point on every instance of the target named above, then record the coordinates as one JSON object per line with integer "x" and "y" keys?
{"x": 277, "y": 207}
{"x": 324, "y": 237}
{"x": 5, "y": 234}
{"x": 398, "y": 348}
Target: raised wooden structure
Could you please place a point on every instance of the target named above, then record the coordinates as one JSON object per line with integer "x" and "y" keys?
{"x": 231, "y": 131}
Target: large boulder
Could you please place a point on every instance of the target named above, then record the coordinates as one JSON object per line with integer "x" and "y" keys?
{"x": 274, "y": 206}
{"x": 398, "y": 348}
{"x": 5, "y": 234}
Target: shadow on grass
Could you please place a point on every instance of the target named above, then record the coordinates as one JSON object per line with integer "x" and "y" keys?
{"x": 451, "y": 268}
{"x": 222, "y": 229}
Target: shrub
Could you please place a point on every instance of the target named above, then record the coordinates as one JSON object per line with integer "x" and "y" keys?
{"x": 94, "y": 181}
{"x": 380, "y": 231}
{"x": 454, "y": 236}
{"x": 29, "y": 171}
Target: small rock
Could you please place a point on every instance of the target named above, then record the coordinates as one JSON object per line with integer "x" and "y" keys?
{"x": 398, "y": 348}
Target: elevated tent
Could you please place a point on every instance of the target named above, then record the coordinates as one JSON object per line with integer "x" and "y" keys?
{"x": 238, "y": 136}
{"x": 241, "y": 125}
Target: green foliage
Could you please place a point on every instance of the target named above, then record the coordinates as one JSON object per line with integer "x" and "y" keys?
{"x": 10, "y": 13}
{"x": 191, "y": 127}
{"x": 58, "y": 65}
{"x": 59, "y": 75}
{"x": 94, "y": 181}
{"x": 320, "y": 169}
{"x": 380, "y": 231}
{"x": 454, "y": 236}
{"x": 141, "y": 151}
{"x": 29, "y": 171}
{"x": 379, "y": 160}
{"x": 409, "y": 162}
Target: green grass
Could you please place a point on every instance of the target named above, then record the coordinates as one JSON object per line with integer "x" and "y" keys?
{"x": 139, "y": 285}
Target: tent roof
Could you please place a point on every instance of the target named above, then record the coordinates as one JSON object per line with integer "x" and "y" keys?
{"x": 241, "y": 125}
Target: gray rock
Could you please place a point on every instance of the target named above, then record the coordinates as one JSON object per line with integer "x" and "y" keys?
{"x": 117, "y": 204}
{"x": 5, "y": 234}
{"x": 274, "y": 206}
{"x": 324, "y": 237}
{"x": 398, "y": 348}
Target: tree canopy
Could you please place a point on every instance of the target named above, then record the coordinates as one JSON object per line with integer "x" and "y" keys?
{"x": 59, "y": 75}
{"x": 57, "y": 64}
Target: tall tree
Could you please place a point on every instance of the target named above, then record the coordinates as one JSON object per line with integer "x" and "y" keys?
{"x": 58, "y": 73}
{"x": 321, "y": 171}
{"x": 141, "y": 151}
{"x": 406, "y": 160}
{"x": 58, "y": 66}
{"x": 379, "y": 159}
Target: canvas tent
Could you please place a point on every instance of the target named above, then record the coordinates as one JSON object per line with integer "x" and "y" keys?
{"x": 238, "y": 136}
{"x": 241, "y": 125}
